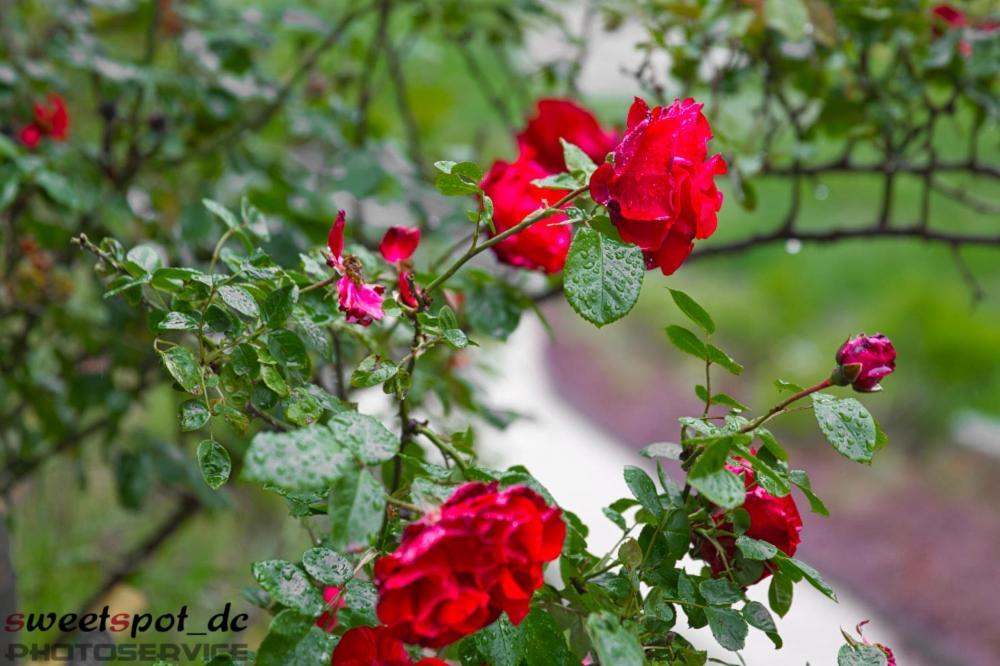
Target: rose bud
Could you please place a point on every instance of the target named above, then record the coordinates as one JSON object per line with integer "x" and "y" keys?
{"x": 367, "y": 646}
{"x": 543, "y": 245}
{"x": 775, "y": 520}
{"x": 328, "y": 620}
{"x": 660, "y": 192}
{"x": 562, "y": 119}
{"x": 458, "y": 569}
{"x": 863, "y": 361}
{"x": 399, "y": 243}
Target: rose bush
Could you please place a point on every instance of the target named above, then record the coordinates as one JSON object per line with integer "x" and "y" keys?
{"x": 439, "y": 553}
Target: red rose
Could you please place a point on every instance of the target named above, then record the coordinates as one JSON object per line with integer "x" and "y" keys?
{"x": 375, "y": 646}
{"x": 53, "y": 118}
{"x": 660, "y": 191}
{"x": 950, "y": 15}
{"x": 775, "y": 520}
{"x": 328, "y": 620}
{"x": 561, "y": 118}
{"x": 456, "y": 570}
{"x": 542, "y": 246}
{"x": 866, "y": 358}
{"x": 399, "y": 243}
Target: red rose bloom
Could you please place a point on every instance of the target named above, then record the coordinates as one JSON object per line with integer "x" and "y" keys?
{"x": 562, "y": 119}
{"x": 456, "y": 570}
{"x": 399, "y": 243}
{"x": 660, "y": 191}
{"x": 950, "y": 15}
{"x": 543, "y": 245}
{"x": 375, "y": 646}
{"x": 53, "y": 118}
{"x": 874, "y": 354}
{"x": 775, "y": 520}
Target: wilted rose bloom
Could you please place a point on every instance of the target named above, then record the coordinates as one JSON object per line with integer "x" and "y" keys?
{"x": 775, "y": 520}
{"x": 563, "y": 119}
{"x": 399, "y": 243}
{"x": 361, "y": 302}
{"x": 408, "y": 289}
{"x": 543, "y": 245}
{"x": 874, "y": 354}
{"x": 456, "y": 570}
{"x": 660, "y": 191}
{"x": 375, "y": 646}
{"x": 328, "y": 620}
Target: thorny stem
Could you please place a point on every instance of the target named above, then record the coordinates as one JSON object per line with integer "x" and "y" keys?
{"x": 517, "y": 228}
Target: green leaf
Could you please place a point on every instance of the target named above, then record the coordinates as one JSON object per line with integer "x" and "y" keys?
{"x": 693, "y": 311}
{"x": 577, "y": 162}
{"x": 721, "y": 487}
{"x": 801, "y": 480}
{"x": 668, "y": 450}
{"x": 728, "y": 627}
{"x": 60, "y": 189}
{"x": 713, "y": 456}
{"x": 612, "y": 642}
{"x": 615, "y": 517}
{"x": 757, "y": 616}
{"x": 493, "y": 309}
{"x": 557, "y": 181}
{"x": 500, "y": 644}
{"x": 357, "y": 502}
{"x": 719, "y": 357}
{"x": 274, "y": 381}
{"x": 327, "y": 566}
{"x": 847, "y": 425}
{"x": 178, "y": 321}
{"x": 365, "y": 437}
{"x": 183, "y": 367}
{"x": 861, "y": 655}
{"x": 360, "y": 598}
{"x": 789, "y": 17}
{"x": 213, "y": 459}
{"x": 221, "y": 212}
{"x": 193, "y": 414}
{"x": 288, "y": 349}
{"x": 603, "y": 276}
{"x": 303, "y": 408}
{"x": 456, "y": 338}
{"x": 677, "y": 533}
{"x": 287, "y": 584}
{"x": 373, "y": 371}
{"x": 813, "y": 576}
{"x": 279, "y": 304}
{"x": 643, "y": 489}
{"x": 779, "y": 594}
{"x": 299, "y": 460}
{"x": 544, "y": 643}
{"x": 287, "y": 630}
{"x": 142, "y": 259}
{"x": 719, "y": 592}
{"x": 455, "y": 185}
{"x": 754, "y": 549}
{"x": 240, "y": 300}
{"x": 686, "y": 341}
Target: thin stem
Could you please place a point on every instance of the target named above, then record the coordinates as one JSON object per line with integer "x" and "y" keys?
{"x": 444, "y": 447}
{"x": 780, "y": 407}
{"x": 319, "y": 285}
{"x": 517, "y": 228}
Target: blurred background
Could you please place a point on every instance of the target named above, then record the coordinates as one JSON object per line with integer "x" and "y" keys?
{"x": 310, "y": 111}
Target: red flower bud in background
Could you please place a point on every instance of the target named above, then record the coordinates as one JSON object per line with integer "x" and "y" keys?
{"x": 863, "y": 361}
{"x": 660, "y": 191}
{"x": 328, "y": 620}
{"x": 541, "y": 246}
{"x": 775, "y": 520}
{"x": 53, "y": 118}
{"x": 956, "y": 19}
{"x": 399, "y": 243}
{"x": 30, "y": 136}
{"x": 562, "y": 119}
{"x": 457, "y": 569}
{"x": 375, "y": 646}
{"x": 361, "y": 302}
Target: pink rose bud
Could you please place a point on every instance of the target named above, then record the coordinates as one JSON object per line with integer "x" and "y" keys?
{"x": 863, "y": 361}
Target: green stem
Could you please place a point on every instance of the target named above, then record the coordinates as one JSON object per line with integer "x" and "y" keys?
{"x": 444, "y": 447}
{"x": 781, "y": 406}
{"x": 517, "y": 228}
